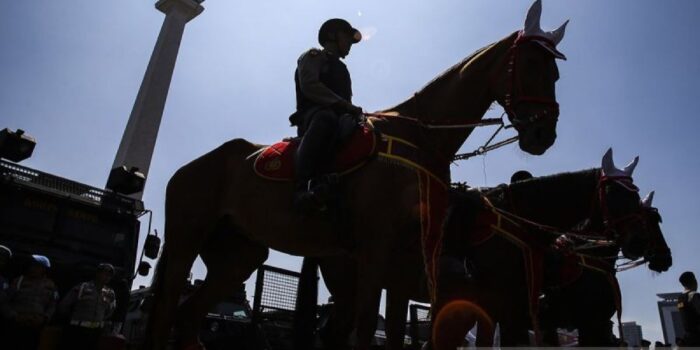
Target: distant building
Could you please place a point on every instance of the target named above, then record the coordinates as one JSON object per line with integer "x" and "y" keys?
{"x": 671, "y": 322}
{"x": 632, "y": 333}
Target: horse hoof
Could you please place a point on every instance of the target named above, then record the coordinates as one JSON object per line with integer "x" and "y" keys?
{"x": 197, "y": 346}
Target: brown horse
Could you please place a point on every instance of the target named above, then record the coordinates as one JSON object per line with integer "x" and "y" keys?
{"x": 588, "y": 302}
{"x": 498, "y": 280}
{"x": 617, "y": 222}
{"x": 218, "y": 208}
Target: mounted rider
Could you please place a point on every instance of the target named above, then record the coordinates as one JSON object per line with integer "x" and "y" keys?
{"x": 324, "y": 107}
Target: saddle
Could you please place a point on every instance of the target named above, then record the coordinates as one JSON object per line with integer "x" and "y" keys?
{"x": 276, "y": 162}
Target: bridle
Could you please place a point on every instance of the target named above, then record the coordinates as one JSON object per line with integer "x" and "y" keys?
{"x": 611, "y": 226}
{"x": 610, "y": 234}
{"x": 612, "y": 230}
{"x": 513, "y": 97}
{"x": 655, "y": 246}
{"x": 514, "y": 92}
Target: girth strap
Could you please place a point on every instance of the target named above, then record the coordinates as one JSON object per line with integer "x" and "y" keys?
{"x": 408, "y": 154}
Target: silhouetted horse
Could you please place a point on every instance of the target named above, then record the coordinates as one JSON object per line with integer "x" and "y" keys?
{"x": 587, "y": 299}
{"x": 506, "y": 261}
{"x": 217, "y": 207}
{"x": 619, "y": 222}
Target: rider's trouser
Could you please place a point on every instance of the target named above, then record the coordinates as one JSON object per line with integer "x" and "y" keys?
{"x": 315, "y": 147}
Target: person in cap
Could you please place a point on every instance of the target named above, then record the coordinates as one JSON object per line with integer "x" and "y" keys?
{"x": 88, "y": 305}
{"x": 689, "y": 308}
{"x": 31, "y": 303}
{"x": 5, "y": 257}
{"x": 520, "y": 175}
{"x": 324, "y": 106}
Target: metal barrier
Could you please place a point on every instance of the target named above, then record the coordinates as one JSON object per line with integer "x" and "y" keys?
{"x": 419, "y": 325}
{"x": 273, "y": 306}
{"x": 275, "y": 294}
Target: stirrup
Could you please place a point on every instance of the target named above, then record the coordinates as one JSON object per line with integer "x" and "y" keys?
{"x": 308, "y": 200}
{"x": 325, "y": 180}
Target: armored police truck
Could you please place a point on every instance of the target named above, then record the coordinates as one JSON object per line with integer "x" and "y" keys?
{"x": 75, "y": 225}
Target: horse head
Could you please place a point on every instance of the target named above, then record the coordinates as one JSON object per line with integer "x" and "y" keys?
{"x": 525, "y": 86}
{"x": 621, "y": 213}
{"x": 657, "y": 252}
{"x": 633, "y": 223}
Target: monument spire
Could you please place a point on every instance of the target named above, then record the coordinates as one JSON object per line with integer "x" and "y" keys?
{"x": 139, "y": 139}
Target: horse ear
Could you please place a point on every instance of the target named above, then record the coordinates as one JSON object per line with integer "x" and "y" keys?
{"x": 532, "y": 21}
{"x": 608, "y": 165}
{"x": 646, "y": 202}
{"x": 629, "y": 169}
{"x": 558, "y": 33}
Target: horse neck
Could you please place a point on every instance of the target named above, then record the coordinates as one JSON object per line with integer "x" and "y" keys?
{"x": 461, "y": 95}
{"x": 561, "y": 200}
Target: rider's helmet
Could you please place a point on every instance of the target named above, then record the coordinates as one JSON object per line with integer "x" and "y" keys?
{"x": 5, "y": 252}
{"x": 41, "y": 261}
{"x": 334, "y": 25}
{"x": 109, "y": 268}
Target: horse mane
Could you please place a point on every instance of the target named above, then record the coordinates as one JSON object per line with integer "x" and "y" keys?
{"x": 460, "y": 66}
{"x": 500, "y": 195}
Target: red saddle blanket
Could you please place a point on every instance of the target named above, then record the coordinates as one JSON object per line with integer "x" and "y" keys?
{"x": 276, "y": 162}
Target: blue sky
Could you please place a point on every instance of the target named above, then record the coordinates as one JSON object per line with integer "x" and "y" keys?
{"x": 70, "y": 71}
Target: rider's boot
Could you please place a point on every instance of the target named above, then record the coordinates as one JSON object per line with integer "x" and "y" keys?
{"x": 311, "y": 194}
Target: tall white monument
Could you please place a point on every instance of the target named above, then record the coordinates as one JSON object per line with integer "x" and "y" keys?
{"x": 139, "y": 139}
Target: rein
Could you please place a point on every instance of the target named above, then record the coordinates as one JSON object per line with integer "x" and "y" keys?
{"x": 514, "y": 95}
{"x": 589, "y": 239}
{"x": 586, "y": 242}
{"x": 487, "y": 147}
{"x": 609, "y": 229}
{"x": 430, "y": 126}
{"x": 630, "y": 264}
{"x": 554, "y": 231}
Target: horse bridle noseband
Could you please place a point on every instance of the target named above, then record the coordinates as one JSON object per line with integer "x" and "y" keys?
{"x": 514, "y": 95}
{"x": 611, "y": 225}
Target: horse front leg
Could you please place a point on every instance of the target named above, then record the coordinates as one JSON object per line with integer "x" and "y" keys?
{"x": 596, "y": 333}
{"x": 369, "y": 292}
{"x": 340, "y": 275}
{"x": 549, "y": 320}
{"x": 396, "y": 309}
